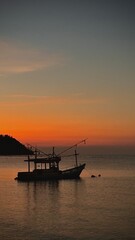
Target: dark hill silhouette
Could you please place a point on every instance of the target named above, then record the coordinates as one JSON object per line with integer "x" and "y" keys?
{"x": 10, "y": 146}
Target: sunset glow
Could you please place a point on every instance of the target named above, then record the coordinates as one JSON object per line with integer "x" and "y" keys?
{"x": 67, "y": 72}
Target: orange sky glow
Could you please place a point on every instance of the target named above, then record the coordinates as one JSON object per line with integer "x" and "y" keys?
{"x": 68, "y": 74}
{"x": 67, "y": 134}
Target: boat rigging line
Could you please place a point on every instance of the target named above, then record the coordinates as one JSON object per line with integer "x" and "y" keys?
{"x": 39, "y": 152}
{"x": 75, "y": 145}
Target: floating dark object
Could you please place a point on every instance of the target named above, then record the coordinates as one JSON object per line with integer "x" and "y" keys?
{"x": 93, "y": 176}
{"x": 99, "y": 175}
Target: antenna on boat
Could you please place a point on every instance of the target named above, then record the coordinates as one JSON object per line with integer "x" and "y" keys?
{"x": 75, "y": 145}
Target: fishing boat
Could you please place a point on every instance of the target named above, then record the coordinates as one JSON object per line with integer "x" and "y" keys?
{"x": 47, "y": 167}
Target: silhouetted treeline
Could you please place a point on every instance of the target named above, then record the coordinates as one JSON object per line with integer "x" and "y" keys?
{"x": 10, "y": 146}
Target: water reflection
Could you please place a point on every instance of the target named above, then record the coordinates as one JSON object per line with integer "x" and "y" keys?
{"x": 48, "y": 205}
{"x": 50, "y": 196}
{"x": 70, "y": 209}
{"x": 40, "y": 195}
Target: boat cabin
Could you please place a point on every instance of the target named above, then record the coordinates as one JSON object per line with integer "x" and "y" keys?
{"x": 44, "y": 163}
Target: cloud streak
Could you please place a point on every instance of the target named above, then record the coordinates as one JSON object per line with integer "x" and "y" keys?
{"x": 15, "y": 59}
{"x": 23, "y": 99}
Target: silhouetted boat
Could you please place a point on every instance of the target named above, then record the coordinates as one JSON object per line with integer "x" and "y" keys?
{"x": 47, "y": 168}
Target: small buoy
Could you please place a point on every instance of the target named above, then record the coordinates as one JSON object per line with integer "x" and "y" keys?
{"x": 93, "y": 176}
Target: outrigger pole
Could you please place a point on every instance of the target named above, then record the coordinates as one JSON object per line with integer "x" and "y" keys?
{"x": 75, "y": 145}
{"x": 36, "y": 150}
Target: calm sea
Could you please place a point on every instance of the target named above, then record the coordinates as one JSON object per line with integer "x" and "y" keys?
{"x": 101, "y": 208}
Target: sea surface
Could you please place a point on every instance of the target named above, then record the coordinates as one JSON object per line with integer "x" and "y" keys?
{"x": 100, "y": 208}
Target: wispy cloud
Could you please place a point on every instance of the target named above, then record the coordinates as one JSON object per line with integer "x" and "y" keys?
{"x": 22, "y": 99}
{"x": 16, "y": 59}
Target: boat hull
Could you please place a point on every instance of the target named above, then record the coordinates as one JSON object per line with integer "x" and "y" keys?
{"x": 51, "y": 174}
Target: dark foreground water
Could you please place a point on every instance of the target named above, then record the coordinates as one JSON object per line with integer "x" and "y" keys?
{"x": 89, "y": 208}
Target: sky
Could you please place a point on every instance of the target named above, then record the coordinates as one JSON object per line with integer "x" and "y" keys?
{"x": 67, "y": 71}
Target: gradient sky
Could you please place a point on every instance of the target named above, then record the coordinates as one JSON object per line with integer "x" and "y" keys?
{"x": 67, "y": 71}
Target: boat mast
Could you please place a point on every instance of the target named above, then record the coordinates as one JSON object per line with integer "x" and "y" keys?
{"x": 53, "y": 153}
{"x": 28, "y": 163}
{"x": 76, "y": 162}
